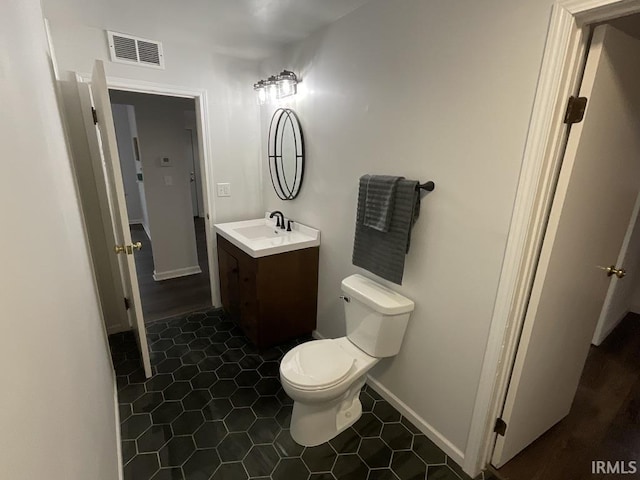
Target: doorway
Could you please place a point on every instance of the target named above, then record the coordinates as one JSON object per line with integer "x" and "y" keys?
{"x": 162, "y": 175}
{"x": 602, "y": 425}
{"x": 591, "y": 225}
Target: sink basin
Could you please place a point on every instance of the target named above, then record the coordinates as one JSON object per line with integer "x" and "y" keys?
{"x": 260, "y": 237}
{"x": 258, "y": 231}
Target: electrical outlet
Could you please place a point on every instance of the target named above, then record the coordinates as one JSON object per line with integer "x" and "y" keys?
{"x": 224, "y": 189}
{"x": 168, "y": 180}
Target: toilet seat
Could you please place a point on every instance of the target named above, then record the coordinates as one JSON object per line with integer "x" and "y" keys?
{"x": 316, "y": 365}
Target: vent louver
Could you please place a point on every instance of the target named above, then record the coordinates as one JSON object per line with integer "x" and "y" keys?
{"x": 135, "y": 50}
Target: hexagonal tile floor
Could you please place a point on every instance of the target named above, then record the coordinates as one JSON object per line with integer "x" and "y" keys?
{"x": 215, "y": 409}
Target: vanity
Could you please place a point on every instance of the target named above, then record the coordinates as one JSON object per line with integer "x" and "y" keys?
{"x": 269, "y": 278}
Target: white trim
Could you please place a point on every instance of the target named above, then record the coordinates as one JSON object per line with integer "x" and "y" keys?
{"x": 178, "y": 272}
{"x": 146, "y": 230}
{"x": 136, "y": 221}
{"x": 116, "y": 407}
{"x": 205, "y": 158}
{"x": 563, "y": 59}
{"x": 434, "y": 435}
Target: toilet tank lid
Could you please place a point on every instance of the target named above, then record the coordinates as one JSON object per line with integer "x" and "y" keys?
{"x": 376, "y": 296}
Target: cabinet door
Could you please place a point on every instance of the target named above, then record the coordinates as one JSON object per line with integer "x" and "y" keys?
{"x": 229, "y": 283}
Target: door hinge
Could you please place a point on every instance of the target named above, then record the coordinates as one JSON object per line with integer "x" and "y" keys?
{"x": 575, "y": 110}
{"x": 95, "y": 116}
{"x": 127, "y": 303}
{"x": 500, "y": 427}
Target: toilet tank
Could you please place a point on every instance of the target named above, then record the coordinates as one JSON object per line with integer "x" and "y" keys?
{"x": 376, "y": 316}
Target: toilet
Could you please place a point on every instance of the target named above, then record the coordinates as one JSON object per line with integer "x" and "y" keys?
{"x": 324, "y": 377}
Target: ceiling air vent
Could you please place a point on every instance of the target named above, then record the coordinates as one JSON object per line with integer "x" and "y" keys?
{"x": 135, "y": 50}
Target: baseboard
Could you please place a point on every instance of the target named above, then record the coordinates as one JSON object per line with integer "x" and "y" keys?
{"x": 118, "y": 435}
{"x": 178, "y": 272}
{"x": 435, "y": 436}
{"x": 135, "y": 221}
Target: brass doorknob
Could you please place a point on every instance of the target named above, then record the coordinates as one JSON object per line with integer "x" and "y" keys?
{"x": 612, "y": 270}
{"x": 128, "y": 248}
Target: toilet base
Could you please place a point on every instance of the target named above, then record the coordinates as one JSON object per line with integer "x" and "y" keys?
{"x": 316, "y": 423}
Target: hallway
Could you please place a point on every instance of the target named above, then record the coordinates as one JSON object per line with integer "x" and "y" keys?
{"x": 176, "y": 296}
{"x": 604, "y": 422}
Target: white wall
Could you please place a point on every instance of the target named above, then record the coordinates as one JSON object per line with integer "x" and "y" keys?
{"x": 57, "y": 407}
{"x": 127, "y": 161}
{"x": 160, "y": 126}
{"x": 436, "y": 91}
{"x": 233, "y": 127}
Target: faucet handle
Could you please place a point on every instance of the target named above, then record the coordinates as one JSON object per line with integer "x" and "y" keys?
{"x": 289, "y": 222}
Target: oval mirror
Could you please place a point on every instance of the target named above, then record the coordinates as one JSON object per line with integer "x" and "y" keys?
{"x": 286, "y": 154}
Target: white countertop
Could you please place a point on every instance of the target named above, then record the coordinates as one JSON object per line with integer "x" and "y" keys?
{"x": 260, "y": 237}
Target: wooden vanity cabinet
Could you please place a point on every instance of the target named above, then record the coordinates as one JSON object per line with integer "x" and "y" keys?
{"x": 273, "y": 298}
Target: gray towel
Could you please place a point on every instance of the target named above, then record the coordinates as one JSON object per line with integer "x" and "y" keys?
{"x": 379, "y": 198}
{"x": 384, "y": 253}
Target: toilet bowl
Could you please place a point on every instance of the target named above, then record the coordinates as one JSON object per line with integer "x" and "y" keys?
{"x": 324, "y": 377}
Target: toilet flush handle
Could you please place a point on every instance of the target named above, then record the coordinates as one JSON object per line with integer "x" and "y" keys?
{"x": 345, "y": 298}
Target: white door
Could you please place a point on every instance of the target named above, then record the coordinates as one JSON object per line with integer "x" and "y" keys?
{"x": 594, "y": 200}
{"x": 619, "y": 297}
{"x": 191, "y": 160}
{"x": 118, "y": 208}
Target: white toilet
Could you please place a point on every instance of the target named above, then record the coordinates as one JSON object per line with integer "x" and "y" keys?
{"x": 324, "y": 377}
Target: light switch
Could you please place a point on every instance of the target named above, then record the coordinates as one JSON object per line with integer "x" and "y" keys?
{"x": 224, "y": 189}
{"x": 168, "y": 180}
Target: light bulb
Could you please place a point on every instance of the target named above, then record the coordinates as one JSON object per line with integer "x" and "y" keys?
{"x": 287, "y": 82}
{"x": 272, "y": 89}
{"x": 261, "y": 92}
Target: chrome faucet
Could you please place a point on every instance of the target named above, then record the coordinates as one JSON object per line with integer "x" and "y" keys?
{"x": 279, "y": 219}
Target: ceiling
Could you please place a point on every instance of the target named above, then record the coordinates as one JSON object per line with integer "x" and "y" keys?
{"x": 629, "y": 24}
{"x": 252, "y": 29}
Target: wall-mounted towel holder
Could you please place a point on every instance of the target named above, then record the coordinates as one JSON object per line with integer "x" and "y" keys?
{"x": 423, "y": 188}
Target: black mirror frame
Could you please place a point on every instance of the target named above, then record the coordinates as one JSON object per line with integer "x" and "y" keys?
{"x": 279, "y": 121}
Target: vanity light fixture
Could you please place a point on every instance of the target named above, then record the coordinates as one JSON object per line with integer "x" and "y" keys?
{"x": 287, "y": 84}
{"x": 276, "y": 87}
{"x": 272, "y": 89}
{"x": 261, "y": 91}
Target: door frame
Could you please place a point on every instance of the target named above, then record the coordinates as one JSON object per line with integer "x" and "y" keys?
{"x": 204, "y": 156}
{"x": 560, "y": 75}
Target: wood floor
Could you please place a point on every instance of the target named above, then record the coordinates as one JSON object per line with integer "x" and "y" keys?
{"x": 604, "y": 422}
{"x": 175, "y": 296}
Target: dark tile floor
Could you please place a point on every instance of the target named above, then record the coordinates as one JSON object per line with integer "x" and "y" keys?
{"x": 215, "y": 409}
